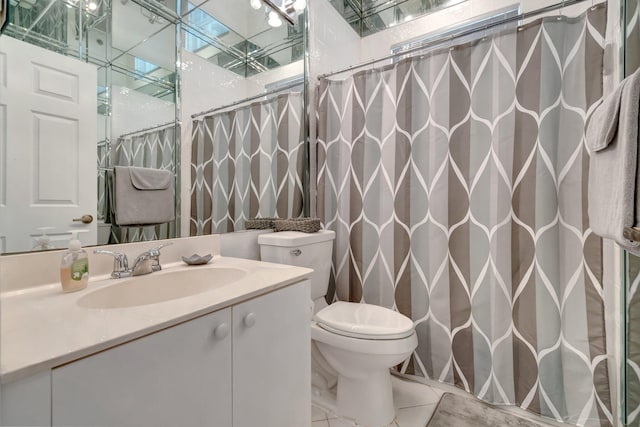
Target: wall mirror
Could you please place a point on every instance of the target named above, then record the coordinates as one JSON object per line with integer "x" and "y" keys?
{"x": 370, "y": 16}
{"x": 104, "y": 83}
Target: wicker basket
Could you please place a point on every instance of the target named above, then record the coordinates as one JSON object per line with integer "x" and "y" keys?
{"x": 259, "y": 223}
{"x": 305, "y": 225}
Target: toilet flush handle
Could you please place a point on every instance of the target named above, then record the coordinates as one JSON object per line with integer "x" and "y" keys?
{"x": 295, "y": 252}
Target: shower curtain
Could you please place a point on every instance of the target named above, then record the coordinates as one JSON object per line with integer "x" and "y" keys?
{"x": 456, "y": 184}
{"x": 152, "y": 149}
{"x": 247, "y": 163}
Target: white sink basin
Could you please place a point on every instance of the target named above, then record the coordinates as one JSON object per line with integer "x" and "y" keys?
{"x": 160, "y": 287}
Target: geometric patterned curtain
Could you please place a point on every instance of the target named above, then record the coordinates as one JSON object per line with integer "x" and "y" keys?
{"x": 456, "y": 184}
{"x": 153, "y": 149}
{"x": 247, "y": 163}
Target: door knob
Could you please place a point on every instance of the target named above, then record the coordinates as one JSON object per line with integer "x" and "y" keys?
{"x": 85, "y": 219}
{"x": 221, "y": 331}
{"x": 249, "y": 320}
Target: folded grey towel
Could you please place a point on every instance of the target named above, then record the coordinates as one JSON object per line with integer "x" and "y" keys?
{"x": 143, "y": 196}
{"x": 109, "y": 198}
{"x": 612, "y": 142}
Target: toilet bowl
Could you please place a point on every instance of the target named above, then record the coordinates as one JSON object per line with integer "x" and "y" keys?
{"x": 353, "y": 345}
{"x": 361, "y": 342}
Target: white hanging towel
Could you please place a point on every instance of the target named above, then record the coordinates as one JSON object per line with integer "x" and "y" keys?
{"x": 612, "y": 142}
{"x": 143, "y": 196}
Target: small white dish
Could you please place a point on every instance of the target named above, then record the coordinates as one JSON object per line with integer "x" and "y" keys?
{"x": 196, "y": 259}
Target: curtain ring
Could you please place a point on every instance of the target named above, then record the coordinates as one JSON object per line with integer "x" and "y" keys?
{"x": 560, "y": 10}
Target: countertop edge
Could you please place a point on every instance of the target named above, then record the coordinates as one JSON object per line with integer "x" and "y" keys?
{"x": 50, "y": 364}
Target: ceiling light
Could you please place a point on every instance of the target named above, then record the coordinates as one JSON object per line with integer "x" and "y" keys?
{"x": 299, "y": 5}
{"x": 274, "y": 19}
{"x": 255, "y": 4}
{"x": 92, "y": 6}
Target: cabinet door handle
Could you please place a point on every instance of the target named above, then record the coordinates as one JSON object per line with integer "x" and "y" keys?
{"x": 221, "y": 331}
{"x": 249, "y": 320}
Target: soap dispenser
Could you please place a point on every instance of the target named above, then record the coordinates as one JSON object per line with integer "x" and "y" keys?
{"x": 74, "y": 268}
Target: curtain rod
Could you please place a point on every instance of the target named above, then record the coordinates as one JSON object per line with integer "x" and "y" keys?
{"x": 150, "y": 128}
{"x": 439, "y": 40}
{"x": 279, "y": 11}
{"x": 251, "y": 98}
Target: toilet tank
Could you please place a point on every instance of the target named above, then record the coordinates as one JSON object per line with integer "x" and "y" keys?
{"x": 241, "y": 243}
{"x": 311, "y": 250}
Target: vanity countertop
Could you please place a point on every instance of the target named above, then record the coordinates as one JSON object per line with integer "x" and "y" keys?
{"x": 42, "y": 327}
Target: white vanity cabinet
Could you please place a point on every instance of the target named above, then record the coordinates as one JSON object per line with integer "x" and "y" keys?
{"x": 246, "y": 365}
{"x": 180, "y": 376}
{"x": 271, "y": 360}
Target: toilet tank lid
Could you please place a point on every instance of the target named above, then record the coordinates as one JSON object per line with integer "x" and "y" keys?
{"x": 295, "y": 238}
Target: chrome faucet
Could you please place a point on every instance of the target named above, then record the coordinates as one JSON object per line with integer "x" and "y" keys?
{"x": 147, "y": 262}
{"x": 120, "y": 263}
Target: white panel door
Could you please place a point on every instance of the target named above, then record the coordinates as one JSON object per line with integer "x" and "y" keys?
{"x": 271, "y": 359}
{"x": 48, "y": 132}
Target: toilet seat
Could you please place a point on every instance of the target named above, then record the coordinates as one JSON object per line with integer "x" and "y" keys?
{"x": 362, "y": 345}
{"x": 364, "y": 321}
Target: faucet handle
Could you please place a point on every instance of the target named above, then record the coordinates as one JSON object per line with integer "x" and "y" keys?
{"x": 155, "y": 255}
{"x": 120, "y": 263}
{"x": 156, "y": 251}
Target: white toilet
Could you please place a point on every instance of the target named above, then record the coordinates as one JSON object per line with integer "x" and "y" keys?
{"x": 354, "y": 345}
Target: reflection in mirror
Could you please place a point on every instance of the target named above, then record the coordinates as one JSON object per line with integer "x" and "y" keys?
{"x": 121, "y": 61}
{"x": 143, "y": 114}
{"x": 49, "y": 104}
{"x": 370, "y": 16}
{"x": 247, "y": 144}
{"x": 240, "y": 39}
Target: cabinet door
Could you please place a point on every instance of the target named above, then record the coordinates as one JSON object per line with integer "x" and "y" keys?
{"x": 27, "y": 402}
{"x": 177, "y": 377}
{"x": 271, "y": 359}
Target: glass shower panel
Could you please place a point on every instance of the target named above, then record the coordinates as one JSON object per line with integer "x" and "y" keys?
{"x": 631, "y": 368}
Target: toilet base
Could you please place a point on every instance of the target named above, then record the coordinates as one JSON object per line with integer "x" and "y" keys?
{"x": 363, "y": 392}
{"x": 368, "y": 401}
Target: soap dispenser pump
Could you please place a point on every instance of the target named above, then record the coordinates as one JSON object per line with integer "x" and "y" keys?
{"x": 74, "y": 268}
{"x": 43, "y": 242}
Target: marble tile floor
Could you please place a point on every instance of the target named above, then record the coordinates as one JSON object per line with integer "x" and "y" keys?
{"x": 416, "y": 403}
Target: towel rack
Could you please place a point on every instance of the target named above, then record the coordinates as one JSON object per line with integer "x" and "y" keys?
{"x": 631, "y": 233}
